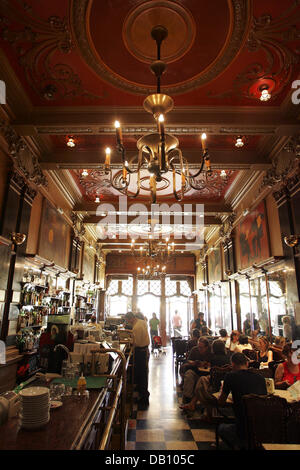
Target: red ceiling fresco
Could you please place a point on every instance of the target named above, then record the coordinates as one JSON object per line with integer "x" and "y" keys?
{"x": 97, "y": 184}
{"x": 231, "y": 52}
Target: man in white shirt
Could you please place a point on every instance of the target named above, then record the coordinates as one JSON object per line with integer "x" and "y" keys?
{"x": 141, "y": 341}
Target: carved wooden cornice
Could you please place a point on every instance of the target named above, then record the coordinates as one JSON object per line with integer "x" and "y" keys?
{"x": 24, "y": 159}
{"x": 78, "y": 226}
{"x": 227, "y": 228}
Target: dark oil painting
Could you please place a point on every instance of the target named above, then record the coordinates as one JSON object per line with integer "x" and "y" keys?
{"x": 253, "y": 237}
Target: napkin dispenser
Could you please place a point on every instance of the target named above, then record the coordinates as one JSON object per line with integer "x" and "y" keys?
{"x": 10, "y": 403}
{"x": 270, "y": 386}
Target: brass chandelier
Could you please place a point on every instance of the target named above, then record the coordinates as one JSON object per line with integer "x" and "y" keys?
{"x": 152, "y": 256}
{"x": 158, "y": 152}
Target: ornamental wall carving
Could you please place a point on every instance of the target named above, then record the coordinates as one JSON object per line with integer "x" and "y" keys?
{"x": 24, "y": 159}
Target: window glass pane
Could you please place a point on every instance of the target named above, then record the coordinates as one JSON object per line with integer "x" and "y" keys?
{"x": 185, "y": 288}
{"x": 113, "y": 287}
{"x": 127, "y": 286}
{"x": 171, "y": 288}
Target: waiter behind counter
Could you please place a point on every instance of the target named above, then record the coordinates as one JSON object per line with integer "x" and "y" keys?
{"x": 141, "y": 341}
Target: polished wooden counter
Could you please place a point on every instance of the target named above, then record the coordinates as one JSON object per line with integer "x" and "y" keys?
{"x": 72, "y": 426}
{"x": 62, "y": 431}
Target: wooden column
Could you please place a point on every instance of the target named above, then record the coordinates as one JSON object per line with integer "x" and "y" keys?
{"x": 163, "y": 312}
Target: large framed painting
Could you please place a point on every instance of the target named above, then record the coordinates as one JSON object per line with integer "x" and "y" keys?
{"x": 253, "y": 238}
{"x": 54, "y": 236}
{"x": 215, "y": 265}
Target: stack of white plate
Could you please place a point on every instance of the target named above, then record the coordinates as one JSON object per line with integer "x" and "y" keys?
{"x": 35, "y": 407}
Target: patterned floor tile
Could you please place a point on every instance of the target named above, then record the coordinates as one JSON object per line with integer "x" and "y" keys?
{"x": 203, "y": 435}
{"x": 205, "y": 446}
{"x": 150, "y": 446}
{"x": 130, "y": 445}
{"x": 178, "y": 435}
{"x": 179, "y": 445}
{"x": 149, "y": 435}
{"x": 131, "y": 435}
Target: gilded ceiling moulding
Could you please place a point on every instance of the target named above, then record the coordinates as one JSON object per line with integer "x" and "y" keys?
{"x": 240, "y": 16}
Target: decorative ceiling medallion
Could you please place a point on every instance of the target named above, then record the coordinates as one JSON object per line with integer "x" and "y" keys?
{"x": 198, "y": 57}
{"x": 178, "y": 21}
{"x": 163, "y": 184}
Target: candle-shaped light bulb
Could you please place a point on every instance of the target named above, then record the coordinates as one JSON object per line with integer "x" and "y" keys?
{"x": 124, "y": 173}
{"x": 107, "y": 157}
{"x": 203, "y": 138}
{"x": 161, "y": 127}
{"x": 118, "y": 132}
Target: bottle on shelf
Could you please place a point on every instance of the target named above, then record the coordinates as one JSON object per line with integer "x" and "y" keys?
{"x": 81, "y": 384}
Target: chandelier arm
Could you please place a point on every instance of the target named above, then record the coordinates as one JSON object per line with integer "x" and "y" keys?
{"x": 178, "y": 198}
{"x": 123, "y": 189}
{"x": 204, "y": 157}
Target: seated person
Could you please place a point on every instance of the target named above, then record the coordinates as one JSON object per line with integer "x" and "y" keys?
{"x": 223, "y": 335}
{"x": 265, "y": 353}
{"x": 94, "y": 323}
{"x": 194, "y": 340}
{"x": 279, "y": 342}
{"x": 277, "y": 346}
{"x": 205, "y": 331}
{"x": 288, "y": 372}
{"x": 199, "y": 355}
{"x": 254, "y": 340}
{"x": 233, "y": 340}
{"x": 203, "y": 391}
{"x": 241, "y": 381}
{"x": 243, "y": 343}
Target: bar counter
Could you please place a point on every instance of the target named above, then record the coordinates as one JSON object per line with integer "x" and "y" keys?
{"x": 63, "y": 432}
{"x": 79, "y": 423}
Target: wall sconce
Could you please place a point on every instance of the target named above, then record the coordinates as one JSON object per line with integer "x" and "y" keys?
{"x": 292, "y": 240}
{"x": 17, "y": 239}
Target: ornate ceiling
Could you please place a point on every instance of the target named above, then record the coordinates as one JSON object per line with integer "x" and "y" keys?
{"x": 72, "y": 67}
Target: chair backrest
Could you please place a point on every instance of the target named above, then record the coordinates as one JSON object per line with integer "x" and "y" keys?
{"x": 217, "y": 374}
{"x": 273, "y": 366}
{"x": 277, "y": 354}
{"x": 180, "y": 347}
{"x": 293, "y": 426}
{"x": 251, "y": 354}
{"x": 266, "y": 419}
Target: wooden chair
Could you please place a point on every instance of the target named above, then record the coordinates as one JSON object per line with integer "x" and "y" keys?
{"x": 251, "y": 354}
{"x": 266, "y": 420}
{"x": 180, "y": 347}
{"x": 220, "y": 415}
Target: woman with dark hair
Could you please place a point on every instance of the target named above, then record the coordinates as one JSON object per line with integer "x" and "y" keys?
{"x": 242, "y": 344}
{"x": 288, "y": 372}
{"x": 194, "y": 339}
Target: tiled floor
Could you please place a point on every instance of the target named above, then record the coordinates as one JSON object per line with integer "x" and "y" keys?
{"x": 164, "y": 426}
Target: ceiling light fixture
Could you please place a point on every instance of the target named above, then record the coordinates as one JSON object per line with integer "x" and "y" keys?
{"x": 71, "y": 142}
{"x": 85, "y": 173}
{"x": 158, "y": 152}
{"x": 265, "y": 95}
{"x": 239, "y": 142}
